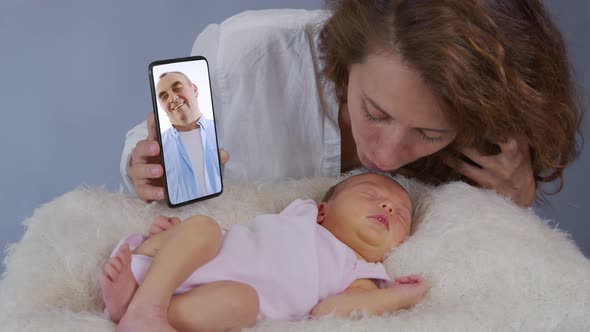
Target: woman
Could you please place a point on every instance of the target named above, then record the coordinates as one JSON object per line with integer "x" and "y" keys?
{"x": 478, "y": 90}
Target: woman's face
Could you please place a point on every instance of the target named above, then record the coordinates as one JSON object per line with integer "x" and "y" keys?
{"x": 395, "y": 118}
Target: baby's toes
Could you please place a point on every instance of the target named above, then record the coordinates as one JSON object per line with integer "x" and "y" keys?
{"x": 124, "y": 256}
{"x": 124, "y": 253}
{"x": 104, "y": 279}
{"x": 117, "y": 263}
{"x": 110, "y": 271}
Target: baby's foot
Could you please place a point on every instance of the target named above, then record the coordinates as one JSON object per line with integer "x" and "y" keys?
{"x": 145, "y": 318}
{"x": 118, "y": 284}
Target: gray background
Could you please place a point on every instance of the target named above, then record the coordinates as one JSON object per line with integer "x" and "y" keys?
{"x": 74, "y": 80}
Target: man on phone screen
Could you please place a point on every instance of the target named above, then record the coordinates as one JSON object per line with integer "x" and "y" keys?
{"x": 189, "y": 146}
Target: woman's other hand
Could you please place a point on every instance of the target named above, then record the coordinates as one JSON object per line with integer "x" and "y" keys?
{"x": 509, "y": 173}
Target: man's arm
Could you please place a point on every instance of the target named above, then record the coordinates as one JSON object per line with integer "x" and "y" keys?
{"x": 363, "y": 294}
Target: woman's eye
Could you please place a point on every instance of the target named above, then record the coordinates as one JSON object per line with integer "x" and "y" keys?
{"x": 429, "y": 139}
{"x": 370, "y": 117}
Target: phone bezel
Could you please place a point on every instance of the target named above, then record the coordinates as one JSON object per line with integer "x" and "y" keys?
{"x": 159, "y": 135}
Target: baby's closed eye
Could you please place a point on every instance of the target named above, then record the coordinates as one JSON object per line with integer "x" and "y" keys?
{"x": 403, "y": 214}
{"x": 368, "y": 194}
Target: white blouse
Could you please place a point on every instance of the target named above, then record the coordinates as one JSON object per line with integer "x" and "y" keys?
{"x": 274, "y": 114}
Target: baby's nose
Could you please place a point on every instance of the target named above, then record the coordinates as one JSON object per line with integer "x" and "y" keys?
{"x": 387, "y": 206}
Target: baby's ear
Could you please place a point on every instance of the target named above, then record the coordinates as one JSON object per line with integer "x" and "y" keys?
{"x": 321, "y": 212}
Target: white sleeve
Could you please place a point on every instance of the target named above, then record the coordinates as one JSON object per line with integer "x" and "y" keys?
{"x": 206, "y": 45}
{"x": 134, "y": 135}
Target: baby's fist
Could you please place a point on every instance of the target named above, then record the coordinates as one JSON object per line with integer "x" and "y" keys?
{"x": 162, "y": 224}
{"x": 409, "y": 290}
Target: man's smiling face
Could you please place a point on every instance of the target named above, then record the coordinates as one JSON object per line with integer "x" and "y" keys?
{"x": 178, "y": 97}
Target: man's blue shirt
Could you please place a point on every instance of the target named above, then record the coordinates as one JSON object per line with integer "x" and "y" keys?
{"x": 182, "y": 185}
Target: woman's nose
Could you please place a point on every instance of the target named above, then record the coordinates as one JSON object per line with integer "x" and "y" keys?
{"x": 396, "y": 153}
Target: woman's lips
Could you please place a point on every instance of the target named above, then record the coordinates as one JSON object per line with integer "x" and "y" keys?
{"x": 371, "y": 165}
{"x": 381, "y": 218}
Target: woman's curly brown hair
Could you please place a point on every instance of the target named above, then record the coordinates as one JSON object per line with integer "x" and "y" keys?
{"x": 498, "y": 68}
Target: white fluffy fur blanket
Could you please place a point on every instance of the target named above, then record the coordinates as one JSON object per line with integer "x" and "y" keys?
{"x": 493, "y": 266}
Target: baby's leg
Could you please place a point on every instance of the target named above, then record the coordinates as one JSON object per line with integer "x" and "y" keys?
{"x": 217, "y": 306}
{"x": 117, "y": 283}
{"x": 177, "y": 253}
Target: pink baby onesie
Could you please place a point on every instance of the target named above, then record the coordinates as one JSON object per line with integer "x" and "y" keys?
{"x": 291, "y": 261}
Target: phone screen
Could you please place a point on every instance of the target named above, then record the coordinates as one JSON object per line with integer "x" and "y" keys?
{"x": 185, "y": 124}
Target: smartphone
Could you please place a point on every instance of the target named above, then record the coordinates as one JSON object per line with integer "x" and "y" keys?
{"x": 185, "y": 126}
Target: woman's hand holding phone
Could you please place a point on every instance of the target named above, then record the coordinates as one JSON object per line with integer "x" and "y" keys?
{"x": 145, "y": 168}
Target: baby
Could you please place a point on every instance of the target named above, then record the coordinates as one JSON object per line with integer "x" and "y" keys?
{"x": 308, "y": 260}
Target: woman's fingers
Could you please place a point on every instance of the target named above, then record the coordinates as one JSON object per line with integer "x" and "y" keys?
{"x": 223, "y": 156}
{"x": 509, "y": 172}
{"x": 477, "y": 174}
{"x": 151, "y": 127}
{"x": 145, "y": 169}
{"x": 149, "y": 192}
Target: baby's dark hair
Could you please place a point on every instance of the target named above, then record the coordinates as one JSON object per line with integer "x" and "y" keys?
{"x": 335, "y": 188}
{"x": 331, "y": 191}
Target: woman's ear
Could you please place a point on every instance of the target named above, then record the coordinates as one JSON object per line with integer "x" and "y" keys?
{"x": 321, "y": 212}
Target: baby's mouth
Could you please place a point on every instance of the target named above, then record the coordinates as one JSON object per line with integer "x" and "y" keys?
{"x": 381, "y": 218}
{"x": 178, "y": 106}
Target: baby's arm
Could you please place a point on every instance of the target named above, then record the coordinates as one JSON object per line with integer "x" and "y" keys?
{"x": 363, "y": 294}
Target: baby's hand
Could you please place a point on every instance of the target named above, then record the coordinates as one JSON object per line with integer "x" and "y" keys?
{"x": 162, "y": 224}
{"x": 410, "y": 290}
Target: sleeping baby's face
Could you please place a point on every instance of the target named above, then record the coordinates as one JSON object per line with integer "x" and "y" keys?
{"x": 370, "y": 213}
